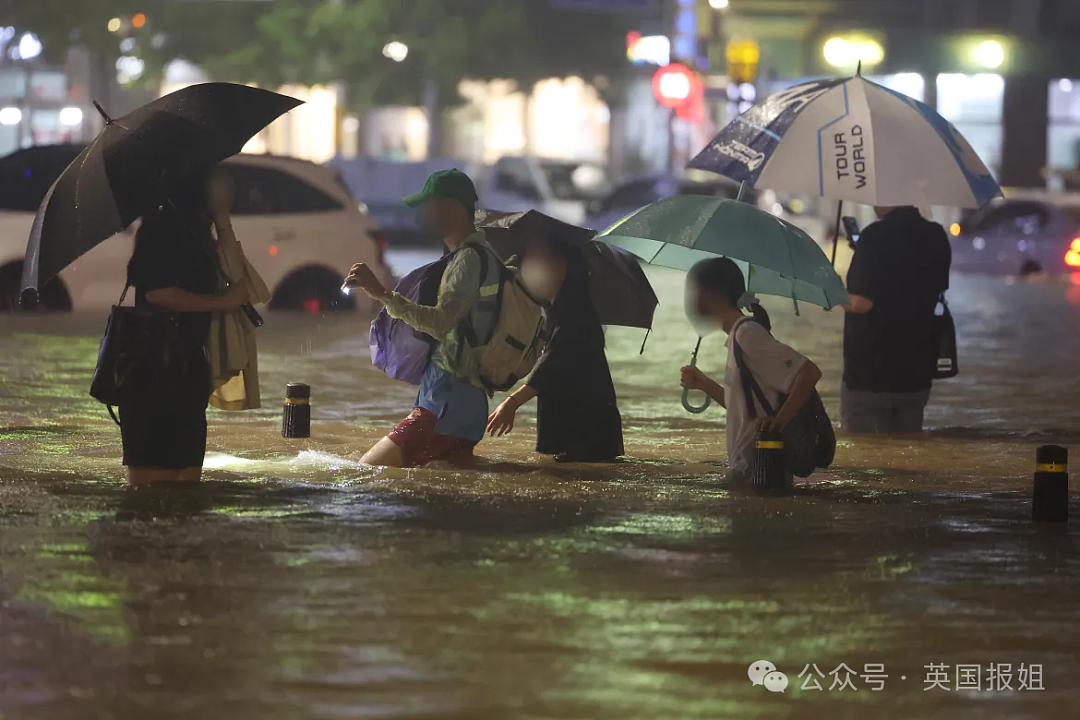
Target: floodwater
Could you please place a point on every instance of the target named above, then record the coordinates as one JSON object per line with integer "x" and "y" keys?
{"x": 297, "y": 583}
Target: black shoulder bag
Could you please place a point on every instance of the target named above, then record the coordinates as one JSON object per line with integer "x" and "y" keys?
{"x": 135, "y": 354}
{"x": 809, "y": 439}
{"x": 946, "y": 365}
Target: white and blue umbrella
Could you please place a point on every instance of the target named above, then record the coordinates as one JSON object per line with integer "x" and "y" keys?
{"x": 852, "y": 140}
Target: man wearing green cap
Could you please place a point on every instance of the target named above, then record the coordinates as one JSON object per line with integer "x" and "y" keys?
{"x": 450, "y": 415}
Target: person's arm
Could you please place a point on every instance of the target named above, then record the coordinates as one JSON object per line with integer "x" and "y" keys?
{"x": 224, "y": 229}
{"x": 860, "y": 277}
{"x": 779, "y": 367}
{"x": 859, "y": 305}
{"x": 694, "y": 379}
{"x": 459, "y": 289}
{"x": 184, "y": 301}
{"x": 802, "y": 387}
{"x": 153, "y": 269}
{"x": 501, "y": 421}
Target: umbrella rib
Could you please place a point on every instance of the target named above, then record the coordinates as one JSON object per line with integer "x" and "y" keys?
{"x": 657, "y": 253}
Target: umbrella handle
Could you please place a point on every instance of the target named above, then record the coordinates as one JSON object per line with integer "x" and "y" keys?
{"x": 686, "y": 391}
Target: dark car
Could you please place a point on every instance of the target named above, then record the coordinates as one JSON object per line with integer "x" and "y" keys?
{"x": 1020, "y": 236}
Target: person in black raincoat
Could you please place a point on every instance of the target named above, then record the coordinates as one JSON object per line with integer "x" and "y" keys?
{"x": 577, "y": 416}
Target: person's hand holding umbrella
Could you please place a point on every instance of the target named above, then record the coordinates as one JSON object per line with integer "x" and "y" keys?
{"x": 776, "y": 257}
{"x": 119, "y": 176}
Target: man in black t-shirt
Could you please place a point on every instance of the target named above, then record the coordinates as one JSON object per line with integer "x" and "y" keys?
{"x": 899, "y": 270}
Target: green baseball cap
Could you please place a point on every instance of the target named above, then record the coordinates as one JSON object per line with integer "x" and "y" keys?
{"x": 452, "y": 184}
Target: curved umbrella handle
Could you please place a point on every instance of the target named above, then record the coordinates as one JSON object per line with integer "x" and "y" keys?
{"x": 686, "y": 391}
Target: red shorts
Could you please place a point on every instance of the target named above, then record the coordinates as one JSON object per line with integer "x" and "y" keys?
{"x": 420, "y": 444}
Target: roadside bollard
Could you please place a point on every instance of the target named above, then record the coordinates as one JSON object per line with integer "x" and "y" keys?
{"x": 296, "y": 419}
{"x": 770, "y": 473}
{"x": 1050, "y": 497}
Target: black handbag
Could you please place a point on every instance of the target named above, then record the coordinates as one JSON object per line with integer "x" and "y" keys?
{"x": 946, "y": 365}
{"x": 809, "y": 439}
{"x": 135, "y": 354}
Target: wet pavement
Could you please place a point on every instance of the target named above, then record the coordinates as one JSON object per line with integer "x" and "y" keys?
{"x": 297, "y": 583}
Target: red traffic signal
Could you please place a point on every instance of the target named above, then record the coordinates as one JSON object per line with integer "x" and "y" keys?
{"x": 676, "y": 86}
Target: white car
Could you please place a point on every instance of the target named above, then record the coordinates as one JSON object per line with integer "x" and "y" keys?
{"x": 299, "y": 226}
{"x": 559, "y": 188}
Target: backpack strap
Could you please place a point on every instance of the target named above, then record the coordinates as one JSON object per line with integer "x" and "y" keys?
{"x": 751, "y": 388}
{"x": 490, "y": 295}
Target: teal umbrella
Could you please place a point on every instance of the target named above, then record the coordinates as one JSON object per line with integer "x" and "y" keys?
{"x": 776, "y": 257}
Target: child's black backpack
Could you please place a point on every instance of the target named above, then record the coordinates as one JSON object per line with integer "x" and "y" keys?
{"x": 809, "y": 439}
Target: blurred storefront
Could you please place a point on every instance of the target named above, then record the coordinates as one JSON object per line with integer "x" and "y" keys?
{"x": 560, "y": 119}
{"x": 310, "y": 132}
{"x": 36, "y": 103}
{"x": 974, "y": 104}
{"x": 1063, "y": 130}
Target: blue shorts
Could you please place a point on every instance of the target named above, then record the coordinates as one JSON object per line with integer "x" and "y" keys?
{"x": 462, "y": 409}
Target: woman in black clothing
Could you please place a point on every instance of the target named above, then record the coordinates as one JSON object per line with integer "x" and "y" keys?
{"x": 175, "y": 268}
{"x": 577, "y": 419}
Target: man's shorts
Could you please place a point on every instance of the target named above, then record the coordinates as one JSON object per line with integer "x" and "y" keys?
{"x": 420, "y": 444}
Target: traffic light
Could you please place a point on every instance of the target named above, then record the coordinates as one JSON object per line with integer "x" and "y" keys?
{"x": 742, "y": 61}
{"x": 679, "y": 88}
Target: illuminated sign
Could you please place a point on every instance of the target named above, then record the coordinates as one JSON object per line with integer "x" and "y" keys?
{"x": 648, "y": 49}
{"x": 678, "y": 87}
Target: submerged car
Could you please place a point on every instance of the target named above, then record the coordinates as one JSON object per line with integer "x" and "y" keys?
{"x": 1020, "y": 235}
{"x": 299, "y": 226}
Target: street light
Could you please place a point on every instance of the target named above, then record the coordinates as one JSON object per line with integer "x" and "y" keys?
{"x": 840, "y": 52}
{"x": 71, "y": 116}
{"x": 990, "y": 54}
{"x": 10, "y": 116}
{"x": 115, "y": 24}
{"x": 29, "y": 46}
{"x": 836, "y": 52}
{"x": 396, "y": 51}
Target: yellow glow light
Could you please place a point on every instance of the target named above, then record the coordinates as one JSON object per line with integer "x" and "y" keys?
{"x": 990, "y": 54}
{"x": 837, "y": 53}
{"x": 842, "y": 53}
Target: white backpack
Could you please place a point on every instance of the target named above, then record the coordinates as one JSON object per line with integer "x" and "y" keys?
{"x": 514, "y": 342}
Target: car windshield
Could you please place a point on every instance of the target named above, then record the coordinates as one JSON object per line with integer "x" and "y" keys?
{"x": 575, "y": 181}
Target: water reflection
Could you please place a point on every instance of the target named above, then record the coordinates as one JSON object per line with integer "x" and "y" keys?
{"x": 298, "y": 583}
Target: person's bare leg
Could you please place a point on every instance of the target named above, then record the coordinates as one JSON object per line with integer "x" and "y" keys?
{"x": 191, "y": 474}
{"x": 140, "y": 476}
{"x": 385, "y": 453}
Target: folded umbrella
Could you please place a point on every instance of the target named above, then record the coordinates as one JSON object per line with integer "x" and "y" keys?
{"x": 618, "y": 287}
{"x": 852, "y": 140}
{"x": 117, "y": 178}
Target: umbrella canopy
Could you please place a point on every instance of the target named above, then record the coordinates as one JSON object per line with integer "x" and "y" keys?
{"x": 776, "y": 257}
{"x": 117, "y": 178}
{"x": 618, "y": 287}
{"x": 852, "y": 140}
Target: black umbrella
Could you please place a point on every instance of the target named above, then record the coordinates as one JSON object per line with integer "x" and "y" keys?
{"x": 618, "y": 288}
{"x": 117, "y": 178}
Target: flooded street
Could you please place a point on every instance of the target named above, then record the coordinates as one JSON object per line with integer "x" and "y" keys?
{"x": 297, "y": 583}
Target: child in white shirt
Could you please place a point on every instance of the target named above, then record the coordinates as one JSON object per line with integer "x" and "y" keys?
{"x": 716, "y": 291}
